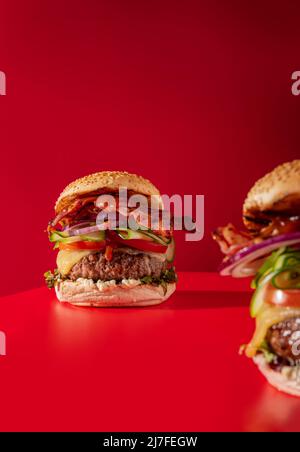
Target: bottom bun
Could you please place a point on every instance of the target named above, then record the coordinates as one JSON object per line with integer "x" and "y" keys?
{"x": 287, "y": 380}
{"x": 85, "y": 292}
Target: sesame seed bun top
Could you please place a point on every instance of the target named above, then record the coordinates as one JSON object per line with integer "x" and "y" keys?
{"x": 278, "y": 191}
{"x": 104, "y": 180}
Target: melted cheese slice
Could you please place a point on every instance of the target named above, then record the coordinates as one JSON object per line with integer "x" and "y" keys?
{"x": 269, "y": 317}
{"x": 67, "y": 259}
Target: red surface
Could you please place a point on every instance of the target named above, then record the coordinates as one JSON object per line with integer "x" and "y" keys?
{"x": 174, "y": 367}
{"x": 194, "y": 95}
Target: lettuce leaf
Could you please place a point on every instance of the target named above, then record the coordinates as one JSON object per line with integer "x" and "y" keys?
{"x": 52, "y": 278}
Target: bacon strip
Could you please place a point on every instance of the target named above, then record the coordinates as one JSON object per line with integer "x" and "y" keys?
{"x": 231, "y": 240}
{"x": 279, "y": 226}
{"x": 72, "y": 210}
{"x": 85, "y": 209}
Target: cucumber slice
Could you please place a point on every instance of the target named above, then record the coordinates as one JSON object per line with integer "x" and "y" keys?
{"x": 128, "y": 234}
{"x": 57, "y": 236}
{"x": 288, "y": 279}
{"x": 170, "y": 254}
{"x": 287, "y": 261}
{"x": 267, "y": 267}
{"x": 257, "y": 302}
{"x": 156, "y": 238}
{"x": 63, "y": 237}
{"x": 281, "y": 261}
{"x": 257, "y": 283}
{"x": 65, "y": 240}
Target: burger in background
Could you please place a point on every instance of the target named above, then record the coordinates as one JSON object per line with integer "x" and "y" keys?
{"x": 270, "y": 252}
{"x": 104, "y": 265}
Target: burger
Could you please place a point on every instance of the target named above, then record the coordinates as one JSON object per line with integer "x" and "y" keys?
{"x": 269, "y": 251}
{"x": 106, "y": 263}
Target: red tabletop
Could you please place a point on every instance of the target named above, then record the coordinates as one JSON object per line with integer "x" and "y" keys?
{"x": 173, "y": 367}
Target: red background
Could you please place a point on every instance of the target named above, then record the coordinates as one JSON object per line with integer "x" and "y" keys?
{"x": 195, "y": 96}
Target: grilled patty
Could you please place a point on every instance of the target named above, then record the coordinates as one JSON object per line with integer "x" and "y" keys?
{"x": 122, "y": 266}
{"x": 284, "y": 340}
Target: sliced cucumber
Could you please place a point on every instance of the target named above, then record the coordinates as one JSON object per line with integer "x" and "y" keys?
{"x": 267, "y": 267}
{"x": 257, "y": 283}
{"x": 170, "y": 254}
{"x": 286, "y": 261}
{"x": 128, "y": 234}
{"x": 57, "y": 236}
{"x": 257, "y": 302}
{"x": 288, "y": 279}
{"x": 63, "y": 237}
{"x": 156, "y": 238}
{"x": 282, "y": 270}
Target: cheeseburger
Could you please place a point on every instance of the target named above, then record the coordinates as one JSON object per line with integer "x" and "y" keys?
{"x": 104, "y": 263}
{"x": 269, "y": 251}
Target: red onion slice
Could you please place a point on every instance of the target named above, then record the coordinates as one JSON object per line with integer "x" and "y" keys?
{"x": 247, "y": 262}
{"x": 88, "y": 230}
{"x": 79, "y": 226}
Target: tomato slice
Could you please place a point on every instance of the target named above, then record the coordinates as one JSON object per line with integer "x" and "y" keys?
{"x": 83, "y": 245}
{"x": 284, "y": 298}
{"x": 143, "y": 245}
{"x": 113, "y": 239}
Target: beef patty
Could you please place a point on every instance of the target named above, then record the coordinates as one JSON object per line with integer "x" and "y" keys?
{"x": 284, "y": 340}
{"x": 122, "y": 266}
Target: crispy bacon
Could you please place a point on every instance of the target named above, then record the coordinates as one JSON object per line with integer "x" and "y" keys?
{"x": 84, "y": 209}
{"x": 231, "y": 240}
{"x": 279, "y": 226}
{"x": 72, "y": 210}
